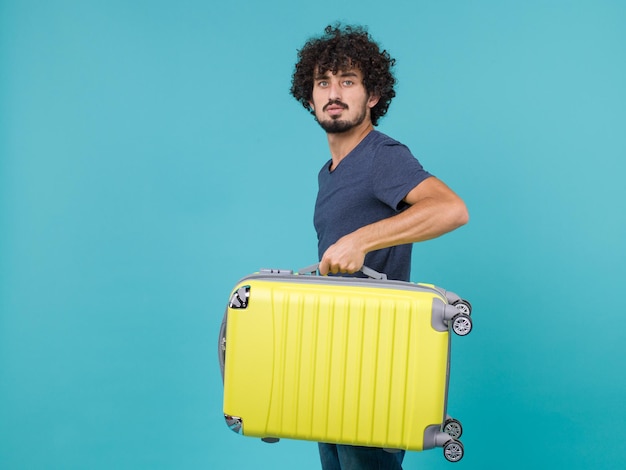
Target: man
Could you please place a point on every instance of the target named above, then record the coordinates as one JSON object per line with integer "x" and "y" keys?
{"x": 375, "y": 199}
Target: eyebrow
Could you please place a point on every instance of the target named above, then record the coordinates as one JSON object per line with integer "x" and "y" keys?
{"x": 342, "y": 74}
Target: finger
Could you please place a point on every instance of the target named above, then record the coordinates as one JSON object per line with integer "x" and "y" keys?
{"x": 323, "y": 267}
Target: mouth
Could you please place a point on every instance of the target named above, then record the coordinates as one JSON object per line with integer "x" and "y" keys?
{"x": 335, "y": 111}
{"x": 335, "y": 108}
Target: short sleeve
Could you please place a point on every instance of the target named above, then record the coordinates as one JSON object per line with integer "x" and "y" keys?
{"x": 395, "y": 172}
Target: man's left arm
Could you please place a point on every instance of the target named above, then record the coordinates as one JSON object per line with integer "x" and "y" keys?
{"x": 434, "y": 209}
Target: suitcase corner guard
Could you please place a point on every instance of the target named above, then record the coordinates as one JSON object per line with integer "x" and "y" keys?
{"x": 234, "y": 423}
{"x": 452, "y": 448}
{"x": 240, "y": 297}
{"x": 457, "y": 316}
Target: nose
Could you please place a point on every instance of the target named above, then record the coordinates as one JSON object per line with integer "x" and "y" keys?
{"x": 334, "y": 91}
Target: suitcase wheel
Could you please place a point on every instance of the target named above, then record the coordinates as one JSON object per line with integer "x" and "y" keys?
{"x": 270, "y": 440}
{"x": 453, "y": 428}
{"x": 462, "y": 324}
{"x": 463, "y": 306}
{"x": 453, "y": 450}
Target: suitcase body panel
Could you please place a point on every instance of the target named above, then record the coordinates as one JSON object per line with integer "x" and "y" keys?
{"x": 337, "y": 360}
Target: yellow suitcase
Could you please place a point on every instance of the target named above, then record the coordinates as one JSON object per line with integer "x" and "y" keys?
{"x": 360, "y": 361}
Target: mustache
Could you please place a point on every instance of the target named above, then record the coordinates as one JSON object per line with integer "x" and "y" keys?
{"x": 336, "y": 103}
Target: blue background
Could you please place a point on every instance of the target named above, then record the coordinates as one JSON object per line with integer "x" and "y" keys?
{"x": 150, "y": 156}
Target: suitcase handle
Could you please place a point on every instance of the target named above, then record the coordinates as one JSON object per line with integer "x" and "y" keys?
{"x": 369, "y": 272}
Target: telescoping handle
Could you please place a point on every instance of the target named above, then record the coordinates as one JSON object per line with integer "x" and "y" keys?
{"x": 369, "y": 272}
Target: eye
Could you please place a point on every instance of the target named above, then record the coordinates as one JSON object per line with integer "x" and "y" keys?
{"x": 348, "y": 83}
{"x": 322, "y": 83}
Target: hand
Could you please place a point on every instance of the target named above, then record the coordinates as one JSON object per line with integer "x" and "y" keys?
{"x": 345, "y": 256}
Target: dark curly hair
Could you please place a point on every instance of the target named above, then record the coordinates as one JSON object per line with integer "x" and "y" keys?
{"x": 342, "y": 48}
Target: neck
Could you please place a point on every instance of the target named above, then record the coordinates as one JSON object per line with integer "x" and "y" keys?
{"x": 342, "y": 144}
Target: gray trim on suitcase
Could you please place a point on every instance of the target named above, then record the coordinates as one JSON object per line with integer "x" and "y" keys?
{"x": 435, "y": 437}
{"x": 221, "y": 344}
{"x": 290, "y": 276}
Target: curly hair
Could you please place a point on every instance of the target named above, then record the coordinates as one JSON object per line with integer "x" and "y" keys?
{"x": 343, "y": 48}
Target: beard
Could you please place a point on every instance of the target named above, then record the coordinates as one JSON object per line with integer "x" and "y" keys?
{"x": 338, "y": 126}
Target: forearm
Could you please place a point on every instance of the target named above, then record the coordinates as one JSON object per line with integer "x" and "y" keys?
{"x": 429, "y": 218}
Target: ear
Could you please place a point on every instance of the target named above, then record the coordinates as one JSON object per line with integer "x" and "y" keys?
{"x": 311, "y": 106}
{"x": 373, "y": 100}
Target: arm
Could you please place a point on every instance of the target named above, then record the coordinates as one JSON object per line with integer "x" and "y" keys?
{"x": 434, "y": 210}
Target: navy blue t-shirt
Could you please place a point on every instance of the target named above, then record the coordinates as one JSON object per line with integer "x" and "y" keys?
{"x": 368, "y": 185}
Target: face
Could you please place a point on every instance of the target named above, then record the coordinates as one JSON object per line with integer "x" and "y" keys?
{"x": 340, "y": 101}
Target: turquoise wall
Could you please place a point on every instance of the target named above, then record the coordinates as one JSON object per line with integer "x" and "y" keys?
{"x": 150, "y": 156}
